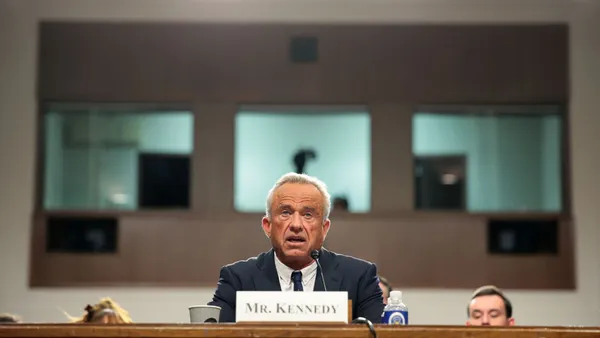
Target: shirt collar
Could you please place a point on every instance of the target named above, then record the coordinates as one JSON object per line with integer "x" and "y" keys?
{"x": 285, "y": 272}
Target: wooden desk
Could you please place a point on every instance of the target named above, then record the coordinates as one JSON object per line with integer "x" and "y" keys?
{"x": 284, "y": 331}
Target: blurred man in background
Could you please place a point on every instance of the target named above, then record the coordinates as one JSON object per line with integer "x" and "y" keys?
{"x": 386, "y": 288}
{"x": 489, "y": 306}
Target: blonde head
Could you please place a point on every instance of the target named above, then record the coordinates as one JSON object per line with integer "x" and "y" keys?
{"x": 106, "y": 311}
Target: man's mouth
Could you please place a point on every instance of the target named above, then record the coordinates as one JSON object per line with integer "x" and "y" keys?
{"x": 295, "y": 239}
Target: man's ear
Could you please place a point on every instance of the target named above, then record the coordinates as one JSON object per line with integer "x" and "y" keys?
{"x": 511, "y": 321}
{"x": 326, "y": 226}
{"x": 266, "y": 225}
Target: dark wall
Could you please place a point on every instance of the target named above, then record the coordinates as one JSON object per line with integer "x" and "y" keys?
{"x": 357, "y": 64}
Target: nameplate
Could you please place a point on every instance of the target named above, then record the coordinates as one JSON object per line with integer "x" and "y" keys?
{"x": 278, "y": 306}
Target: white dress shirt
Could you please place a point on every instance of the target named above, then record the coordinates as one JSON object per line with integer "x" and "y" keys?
{"x": 284, "y": 272}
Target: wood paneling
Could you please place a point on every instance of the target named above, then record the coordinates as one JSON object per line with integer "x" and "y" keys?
{"x": 250, "y": 63}
{"x": 390, "y": 69}
{"x": 288, "y": 331}
{"x": 413, "y": 250}
{"x": 391, "y": 139}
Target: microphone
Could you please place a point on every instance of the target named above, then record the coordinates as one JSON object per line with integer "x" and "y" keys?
{"x": 315, "y": 255}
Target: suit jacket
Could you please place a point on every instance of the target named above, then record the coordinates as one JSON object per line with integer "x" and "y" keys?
{"x": 341, "y": 272}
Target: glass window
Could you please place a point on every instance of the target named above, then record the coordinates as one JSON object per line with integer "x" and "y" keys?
{"x": 488, "y": 162}
{"x": 109, "y": 158}
{"x": 333, "y": 144}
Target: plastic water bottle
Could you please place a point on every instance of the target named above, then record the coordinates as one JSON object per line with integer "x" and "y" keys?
{"x": 395, "y": 312}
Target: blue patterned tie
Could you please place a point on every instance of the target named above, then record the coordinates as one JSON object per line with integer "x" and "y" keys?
{"x": 297, "y": 279}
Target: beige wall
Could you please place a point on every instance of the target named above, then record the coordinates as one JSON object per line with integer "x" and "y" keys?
{"x": 18, "y": 31}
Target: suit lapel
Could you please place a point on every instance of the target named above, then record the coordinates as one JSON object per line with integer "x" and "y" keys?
{"x": 333, "y": 278}
{"x": 267, "y": 280}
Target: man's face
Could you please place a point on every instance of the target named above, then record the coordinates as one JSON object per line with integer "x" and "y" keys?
{"x": 488, "y": 310}
{"x": 386, "y": 293}
{"x": 296, "y": 226}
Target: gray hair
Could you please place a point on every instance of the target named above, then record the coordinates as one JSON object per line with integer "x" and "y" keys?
{"x": 301, "y": 179}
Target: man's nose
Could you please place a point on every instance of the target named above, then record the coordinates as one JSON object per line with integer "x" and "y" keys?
{"x": 296, "y": 224}
{"x": 485, "y": 320}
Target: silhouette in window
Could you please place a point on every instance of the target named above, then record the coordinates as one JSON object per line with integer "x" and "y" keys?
{"x": 301, "y": 157}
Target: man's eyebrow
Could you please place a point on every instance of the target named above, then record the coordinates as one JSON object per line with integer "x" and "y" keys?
{"x": 305, "y": 208}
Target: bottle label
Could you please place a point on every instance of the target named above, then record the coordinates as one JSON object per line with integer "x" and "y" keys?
{"x": 395, "y": 317}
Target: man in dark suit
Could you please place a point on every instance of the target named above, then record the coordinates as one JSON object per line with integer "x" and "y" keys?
{"x": 297, "y": 222}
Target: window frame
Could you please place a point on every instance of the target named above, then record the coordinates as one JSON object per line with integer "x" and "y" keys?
{"x": 542, "y": 109}
{"x": 129, "y": 107}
